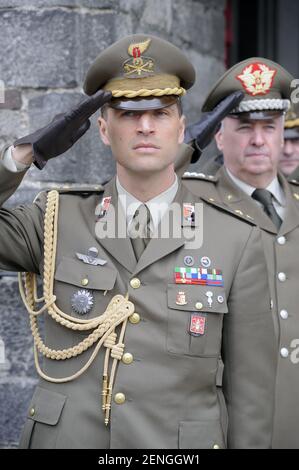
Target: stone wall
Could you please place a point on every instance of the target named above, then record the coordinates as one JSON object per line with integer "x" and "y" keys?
{"x": 47, "y": 46}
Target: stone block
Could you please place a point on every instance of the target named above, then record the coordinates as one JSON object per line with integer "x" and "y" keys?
{"x": 12, "y": 100}
{"x": 50, "y": 48}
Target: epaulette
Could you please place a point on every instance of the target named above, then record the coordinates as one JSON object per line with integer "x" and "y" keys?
{"x": 73, "y": 188}
{"x": 78, "y": 188}
{"x": 294, "y": 182}
{"x": 199, "y": 176}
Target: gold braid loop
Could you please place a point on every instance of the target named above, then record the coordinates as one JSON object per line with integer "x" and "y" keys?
{"x": 110, "y": 341}
{"x": 118, "y": 351}
{"x": 145, "y": 92}
{"x": 103, "y": 326}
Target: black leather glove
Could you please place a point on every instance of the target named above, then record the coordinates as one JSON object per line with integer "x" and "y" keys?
{"x": 65, "y": 129}
{"x": 201, "y": 133}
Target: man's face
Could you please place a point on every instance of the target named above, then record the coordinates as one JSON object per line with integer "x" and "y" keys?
{"x": 251, "y": 147}
{"x": 289, "y": 159}
{"x": 143, "y": 141}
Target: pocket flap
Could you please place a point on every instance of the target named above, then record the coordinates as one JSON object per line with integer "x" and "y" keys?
{"x": 74, "y": 271}
{"x": 205, "y": 434}
{"x": 46, "y": 406}
{"x": 196, "y": 298}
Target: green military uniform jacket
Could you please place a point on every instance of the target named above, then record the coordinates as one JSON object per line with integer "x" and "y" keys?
{"x": 281, "y": 251}
{"x": 172, "y": 390}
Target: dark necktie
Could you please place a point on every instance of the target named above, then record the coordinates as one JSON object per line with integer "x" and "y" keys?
{"x": 265, "y": 198}
{"x": 140, "y": 230}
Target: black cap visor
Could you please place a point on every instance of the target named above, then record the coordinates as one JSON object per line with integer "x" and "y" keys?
{"x": 258, "y": 115}
{"x": 143, "y": 104}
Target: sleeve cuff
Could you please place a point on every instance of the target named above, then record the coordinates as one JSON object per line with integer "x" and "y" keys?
{"x": 11, "y": 164}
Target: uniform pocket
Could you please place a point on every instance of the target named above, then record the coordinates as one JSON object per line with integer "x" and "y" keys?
{"x": 40, "y": 430}
{"x": 195, "y": 315}
{"x": 73, "y": 277}
{"x": 204, "y": 434}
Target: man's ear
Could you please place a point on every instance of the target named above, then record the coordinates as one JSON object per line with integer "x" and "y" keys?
{"x": 182, "y": 129}
{"x": 219, "y": 138}
{"x": 103, "y": 130}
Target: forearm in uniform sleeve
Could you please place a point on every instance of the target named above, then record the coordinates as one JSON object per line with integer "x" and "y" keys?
{"x": 21, "y": 229}
{"x": 21, "y": 236}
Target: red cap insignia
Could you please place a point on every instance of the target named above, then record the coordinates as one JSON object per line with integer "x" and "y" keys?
{"x": 257, "y": 79}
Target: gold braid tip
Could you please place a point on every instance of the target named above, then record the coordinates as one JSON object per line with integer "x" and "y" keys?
{"x": 108, "y": 407}
{"x": 104, "y": 392}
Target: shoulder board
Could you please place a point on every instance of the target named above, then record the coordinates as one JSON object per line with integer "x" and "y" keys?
{"x": 77, "y": 188}
{"x": 199, "y": 176}
{"x": 294, "y": 183}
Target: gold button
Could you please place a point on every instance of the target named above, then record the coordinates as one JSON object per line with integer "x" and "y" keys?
{"x": 198, "y": 305}
{"x": 216, "y": 446}
{"x": 211, "y": 199}
{"x": 119, "y": 398}
{"x": 32, "y": 412}
{"x": 135, "y": 283}
{"x": 84, "y": 281}
{"x": 127, "y": 358}
{"x": 134, "y": 318}
{"x": 239, "y": 212}
{"x": 296, "y": 196}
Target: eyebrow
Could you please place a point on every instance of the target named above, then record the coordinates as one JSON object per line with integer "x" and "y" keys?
{"x": 249, "y": 121}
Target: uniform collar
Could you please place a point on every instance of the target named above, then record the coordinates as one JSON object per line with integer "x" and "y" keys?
{"x": 274, "y": 187}
{"x": 157, "y": 205}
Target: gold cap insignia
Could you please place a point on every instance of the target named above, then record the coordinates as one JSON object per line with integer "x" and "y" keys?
{"x": 137, "y": 65}
{"x": 257, "y": 78}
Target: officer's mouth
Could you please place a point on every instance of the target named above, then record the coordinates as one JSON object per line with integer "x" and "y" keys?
{"x": 257, "y": 155}
{"x": 146, "y": 147}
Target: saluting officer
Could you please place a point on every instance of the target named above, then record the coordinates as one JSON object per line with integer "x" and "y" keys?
{"x": 138, "y": 276}
{"x": 249, "y": 183}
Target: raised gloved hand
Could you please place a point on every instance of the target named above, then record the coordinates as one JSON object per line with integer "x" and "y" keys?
{"x": 65, "y": 129}
{"x": 201, "y": 133}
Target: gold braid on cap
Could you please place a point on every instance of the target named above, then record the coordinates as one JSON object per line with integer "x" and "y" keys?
{"x": 143, "y": 92}
{"x": 156, "y": 85}
{"x": 103, "y": 326}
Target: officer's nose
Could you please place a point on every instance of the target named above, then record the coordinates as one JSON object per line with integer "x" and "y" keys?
{"x": 287, "y": 148}
{"x": 257, "y": 137}
{"x": 146, "y": 125}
